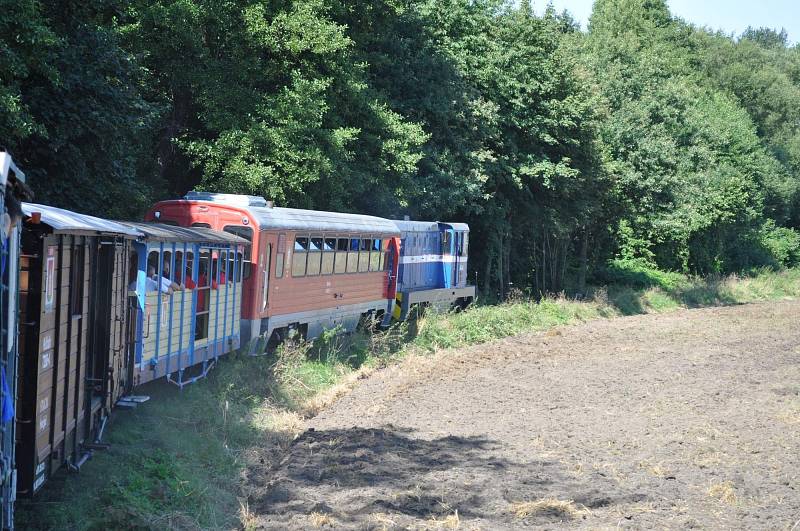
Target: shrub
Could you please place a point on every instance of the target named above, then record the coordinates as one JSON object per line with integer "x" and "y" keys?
{"x": 783, "y": 244}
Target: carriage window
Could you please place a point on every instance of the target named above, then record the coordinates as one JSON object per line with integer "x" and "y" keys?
{"x": 235, "y": 265}
{"x": 133, "y": 268}
{"x": 340, "y": 264}
{"x": 375, "y": 255}
{"x": 166, "y": 267}
{"x": 299, "y": 256}
{"x": 152, "y": 270}
{"x": 76, "y": 280}
{"x": 328, "y": 253}
{"x": 204, "y": 284}
{"x": 352, "y": 255}
{"x": 385, "y": 249}
{"x": 363, "y": 255}
{"x": 177, "y": 270}
{"x": 222, "y": 263}
{"x": 314, "y": 256}
{"x": 279, "y": 256}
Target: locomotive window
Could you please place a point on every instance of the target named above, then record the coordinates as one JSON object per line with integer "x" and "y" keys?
{"x": 280, "y": 257}
{"x": 329, "y": 245}
{"x": 446, "y": 242}
{"x": 340, "y": 265}
{"x": 299, "y": 256}
{"x": 76, "y": 280}
{"x": 242, "y": 232}
{"x": 464, "y": 243}
{"x": 375, "y": 255}
{"x": 314, "y": 256}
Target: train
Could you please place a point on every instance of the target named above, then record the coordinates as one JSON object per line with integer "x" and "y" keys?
{"x": 94, "y": 308}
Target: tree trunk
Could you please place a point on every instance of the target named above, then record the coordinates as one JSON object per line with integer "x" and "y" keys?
{"x": 584, "y": 262}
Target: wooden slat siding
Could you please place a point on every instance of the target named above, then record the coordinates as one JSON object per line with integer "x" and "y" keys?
{"x": 56, "y": 411}
{"x": 116, "y": 349}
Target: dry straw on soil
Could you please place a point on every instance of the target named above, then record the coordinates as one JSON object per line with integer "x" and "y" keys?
{"x": 547, "y": 507}
{"x": 449, "y": 522}
{"x": 322, "y": 520}
{"x": 723, "y": 491}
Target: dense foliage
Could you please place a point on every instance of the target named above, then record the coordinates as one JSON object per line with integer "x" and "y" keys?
{"x": 643, "y": 139}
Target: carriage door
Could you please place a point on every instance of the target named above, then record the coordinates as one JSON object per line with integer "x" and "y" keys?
{"x": 120, "y": 345}
{"x": 461, "y": 258}
{"x": 391, "y": 264}
{"x": 265, "y": 269}
{"x": 447, "y": 258}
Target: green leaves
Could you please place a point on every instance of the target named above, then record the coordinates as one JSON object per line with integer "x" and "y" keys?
{"x": 644, "y": 138}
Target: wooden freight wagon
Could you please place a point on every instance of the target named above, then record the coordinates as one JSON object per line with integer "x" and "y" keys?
{"x": 75, "y": 353}
{"x": 187, "y": 292}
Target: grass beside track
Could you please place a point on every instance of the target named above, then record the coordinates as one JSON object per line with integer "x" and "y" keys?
{"x": 180, "y": 460}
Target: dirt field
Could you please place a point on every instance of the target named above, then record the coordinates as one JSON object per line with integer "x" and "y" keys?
{"x": 684, "y": 420}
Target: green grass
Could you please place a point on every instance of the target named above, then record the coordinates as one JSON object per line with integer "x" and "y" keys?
{"x": 177, "y": 461}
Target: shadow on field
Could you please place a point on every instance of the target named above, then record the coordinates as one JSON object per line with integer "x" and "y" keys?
{"x": 359, "y": 476}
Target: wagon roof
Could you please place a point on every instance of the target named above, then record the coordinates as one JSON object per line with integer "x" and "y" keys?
{"x": 432, "y": 226}
{"x": 279, "y": 218}
{"x": 417, "y": 226}
{"x": 456, "y": 226}
{"x": 317, "y": 220}
{"x": 172, "y": 233}
{"x": 62, "y": 220}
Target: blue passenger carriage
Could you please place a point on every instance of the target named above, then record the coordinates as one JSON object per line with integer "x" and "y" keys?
{"x": 433, "y": 266}
{"x": 186, "y": 284}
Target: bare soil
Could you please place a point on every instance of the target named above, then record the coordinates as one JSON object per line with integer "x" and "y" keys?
{"x": 682, "y": 420}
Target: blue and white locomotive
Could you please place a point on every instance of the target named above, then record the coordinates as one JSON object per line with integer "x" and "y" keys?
{"x": 433, "y": 266}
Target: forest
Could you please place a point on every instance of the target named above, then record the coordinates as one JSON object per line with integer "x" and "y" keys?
{"x": 641, "y": 140}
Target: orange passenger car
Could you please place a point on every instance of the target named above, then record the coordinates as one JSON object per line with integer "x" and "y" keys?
{"x": 306, "y": 270}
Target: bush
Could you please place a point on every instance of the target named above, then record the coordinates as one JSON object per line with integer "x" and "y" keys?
{"x": 640, "y": 274}
{"x": 783, "y": 244}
